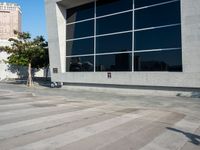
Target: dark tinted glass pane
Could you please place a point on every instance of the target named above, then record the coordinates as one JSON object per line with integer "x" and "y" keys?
{"x": 80, "y": 13}
{"x": 80, "y": 64}
{"x": 116, "y": 23}
{"x": 114, "y": 43}
{"x": 157, "y": 16}
{"x": 105, "y": 7}
{"x": 158, "y": 61}
{"x": 82, "y": 29}
{"x": 80, "y": 47}
{"x": 115, "y": 62}
{"x": 141, "y": 3}
{"x": 169, "y": 37}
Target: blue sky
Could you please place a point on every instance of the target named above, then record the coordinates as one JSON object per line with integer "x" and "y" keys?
{"x": 33, "y": 16}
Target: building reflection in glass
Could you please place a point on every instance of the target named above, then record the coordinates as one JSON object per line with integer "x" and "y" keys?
{"x": 80, "y": 64}
{"x": 158, "y": 61}
{"x": 114, "y": 62}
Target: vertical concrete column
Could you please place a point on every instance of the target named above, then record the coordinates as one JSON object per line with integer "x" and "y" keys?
{"x": 56, "y": 27}
{"x": 61, "y": 21}
{"x": 190, "y": 16}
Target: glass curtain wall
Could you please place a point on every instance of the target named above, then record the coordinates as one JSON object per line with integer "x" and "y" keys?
{"x": 124, "y": 35}
{"x": 157, "y": 34}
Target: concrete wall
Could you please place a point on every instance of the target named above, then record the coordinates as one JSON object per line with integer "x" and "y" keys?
{"x": 4, "y": 72}
{"x": 191, "y": 35}
{"x": 190, "y": 77}
{"x": 55, "y": 37}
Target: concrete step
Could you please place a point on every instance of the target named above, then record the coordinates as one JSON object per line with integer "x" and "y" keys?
{"x": 137, "y": 92}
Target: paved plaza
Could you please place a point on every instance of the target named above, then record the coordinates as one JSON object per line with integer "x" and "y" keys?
{"x": 47, "y": 119}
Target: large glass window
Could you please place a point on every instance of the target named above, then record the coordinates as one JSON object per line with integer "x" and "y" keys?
{"x": 158, "y": 16}
{"x": 116, "y": 23}
{"x": 114, "y": 43}
{"x": 169, "y": 37}
{"x": 114, "y": 62}
{"x": 105, "y": 7}
{"x": 142, "y": 3}
{"x": 80, "y": 13}
{"x": 80, "y": 64}
{"x": 79, "y": 30}
{"x": 80, "y": 47}
{"x": 170, "y": 60}
{"x": 107, "y": 36}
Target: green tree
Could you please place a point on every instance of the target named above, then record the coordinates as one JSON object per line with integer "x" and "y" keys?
{"x": 25, "y": 51}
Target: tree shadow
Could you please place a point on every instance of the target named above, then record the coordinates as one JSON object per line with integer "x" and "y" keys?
{"x": 195, "y": 94}
{"x": 42, "y": 81}
{"x": 195, "y": 139}
{"x": 20, "y": 71}
{"x": 22, "y": 75}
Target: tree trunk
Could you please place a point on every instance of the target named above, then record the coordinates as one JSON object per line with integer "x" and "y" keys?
{"x": 29, "y": 81}
{"x": 47, "y": 72}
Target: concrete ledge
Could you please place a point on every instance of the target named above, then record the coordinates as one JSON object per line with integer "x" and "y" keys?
{"x": 134, "y": 92}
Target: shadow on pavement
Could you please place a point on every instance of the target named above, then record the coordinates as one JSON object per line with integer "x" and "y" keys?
{"x": 195, "y": 139}
{"x": 45, "y": 82}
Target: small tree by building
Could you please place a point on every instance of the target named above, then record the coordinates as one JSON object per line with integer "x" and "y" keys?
{"x": 27, "y": 52}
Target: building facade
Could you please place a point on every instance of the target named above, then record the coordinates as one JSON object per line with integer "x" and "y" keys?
{"x": 10, "y": 20}
{"x": 125, "y": 42}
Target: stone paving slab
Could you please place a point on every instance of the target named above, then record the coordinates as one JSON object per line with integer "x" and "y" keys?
{"x": 34, "y": 122}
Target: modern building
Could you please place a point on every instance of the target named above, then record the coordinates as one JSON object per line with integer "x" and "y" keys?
{"x": 125, "y": 42}
{"x": 10, "y": 20}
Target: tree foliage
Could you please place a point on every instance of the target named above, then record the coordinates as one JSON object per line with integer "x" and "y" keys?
{"x": 25, "y": 51}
